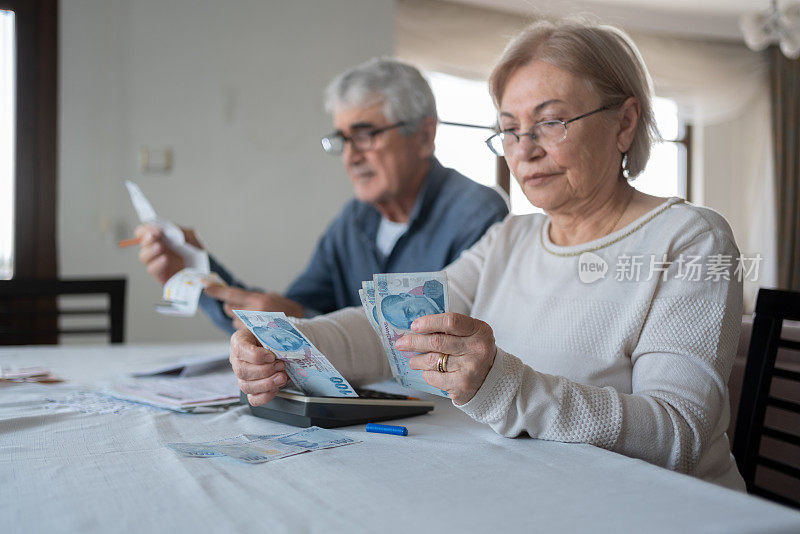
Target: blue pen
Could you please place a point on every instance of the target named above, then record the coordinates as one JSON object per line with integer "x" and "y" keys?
{"x": 387, "y": 429}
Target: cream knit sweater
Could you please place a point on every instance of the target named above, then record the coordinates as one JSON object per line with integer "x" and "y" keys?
{"x": 636, "y": 366}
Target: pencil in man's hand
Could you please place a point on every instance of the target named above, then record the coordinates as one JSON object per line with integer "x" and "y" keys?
{"x": 129, "y": 242}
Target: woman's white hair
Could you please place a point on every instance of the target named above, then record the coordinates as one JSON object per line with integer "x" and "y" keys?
{"x": 603, "y": 56}
{"x": 405, "y": 94}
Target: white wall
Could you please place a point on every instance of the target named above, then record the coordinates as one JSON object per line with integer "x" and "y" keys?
{"x": 235, "y": 88}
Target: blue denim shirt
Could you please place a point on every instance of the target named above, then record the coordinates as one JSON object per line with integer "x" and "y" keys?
{"x": 450, "y": 214}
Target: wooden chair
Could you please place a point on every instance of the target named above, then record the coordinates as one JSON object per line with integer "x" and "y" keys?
{"x": 760, "y": 392}
{"x": 29, "y": 311}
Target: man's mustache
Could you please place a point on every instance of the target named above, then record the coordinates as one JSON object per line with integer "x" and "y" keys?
{"x": 360, "y": 169}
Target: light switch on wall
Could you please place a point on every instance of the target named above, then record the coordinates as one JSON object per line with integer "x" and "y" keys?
{"x": 156, "y": 160}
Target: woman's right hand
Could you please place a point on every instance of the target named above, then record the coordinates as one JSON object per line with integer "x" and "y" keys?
{"x": 260, "y": 373}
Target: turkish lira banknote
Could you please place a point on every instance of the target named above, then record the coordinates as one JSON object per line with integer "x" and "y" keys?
{"x": 258, "y": 452}
{"x": 399, "y": 299}
{"x": 255, "y": 449}
{"x": 207, "y": 449}
{"x": 367, "y": 295}
{"x": 308, "y": 368}
{"x": 315, "y": 438}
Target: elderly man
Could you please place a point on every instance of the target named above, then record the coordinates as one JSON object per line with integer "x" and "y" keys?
{"x": 409, "y": 212}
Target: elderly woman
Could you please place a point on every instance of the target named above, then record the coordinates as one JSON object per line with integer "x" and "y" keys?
{"x": 591, "y": 324}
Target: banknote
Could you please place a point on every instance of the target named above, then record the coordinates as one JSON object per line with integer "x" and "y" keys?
{"x": 367, "y": 307}
{"x": 399, "y": 299}
{"x": 256, "y": 437}
{"x": 315, "y": 438}
{"x": 308, "y": 368}
{"x": 254, "y": 448}
{"x": 207, "y": 449}
{"x": 367, "y": 295}
{"x": 257, "y": 452}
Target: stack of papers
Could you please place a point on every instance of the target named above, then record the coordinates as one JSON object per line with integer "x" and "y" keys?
{"x": 27, "y": 374}
{"x": 186, "y": 367}
{"x": 181, "y": 394}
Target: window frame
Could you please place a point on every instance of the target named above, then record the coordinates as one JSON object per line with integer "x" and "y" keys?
{"x": 36, "y": 131}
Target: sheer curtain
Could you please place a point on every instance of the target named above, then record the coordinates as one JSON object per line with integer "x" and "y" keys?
{"x": 711, "y": 82}
{"x": 785, "y": 88}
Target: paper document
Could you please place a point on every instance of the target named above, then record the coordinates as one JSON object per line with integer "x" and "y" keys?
{"x": 182, "y": 291}
{"x": 193, "y": 257}
{"x": 188, "y": 366}
{"x": 181, "y": 394}
{"x": 27, "y": 374}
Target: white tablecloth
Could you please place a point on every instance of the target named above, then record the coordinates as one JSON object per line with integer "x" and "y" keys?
{"x": 67, "y": 471}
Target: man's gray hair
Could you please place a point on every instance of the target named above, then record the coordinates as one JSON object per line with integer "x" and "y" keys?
{"x": 405, "y": 94}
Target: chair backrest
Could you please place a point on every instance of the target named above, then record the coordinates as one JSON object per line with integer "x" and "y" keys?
{"x": 29, "y": 311}
{"x": 759, "y": 393}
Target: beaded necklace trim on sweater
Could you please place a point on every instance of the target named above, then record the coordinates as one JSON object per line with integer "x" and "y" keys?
{"x": 652, "y": 216}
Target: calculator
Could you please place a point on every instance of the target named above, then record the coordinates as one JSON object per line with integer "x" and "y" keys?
{"x": 294, "y": 408}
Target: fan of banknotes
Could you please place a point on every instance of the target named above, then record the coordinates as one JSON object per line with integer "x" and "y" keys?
{"x": 391, "y": 303}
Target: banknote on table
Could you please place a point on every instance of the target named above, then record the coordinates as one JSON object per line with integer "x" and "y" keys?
{"x": 308, "y": 368}
{"x": 265, "y": 450}
{"x": 207, "y": 449}
{"x": 399, "y": 299}
{"x": 315, "y": 438}
{"x": 256, "y": 449}
{"x": 258, "y": 452}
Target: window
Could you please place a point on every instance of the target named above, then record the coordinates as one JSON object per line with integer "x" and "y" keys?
{"x": 666, "y": 174}
{"x": 7, "y": 143}
{"x": 467, "y": 101}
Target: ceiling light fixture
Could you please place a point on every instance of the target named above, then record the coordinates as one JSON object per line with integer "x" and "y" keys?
{"x": 775, "y": 26}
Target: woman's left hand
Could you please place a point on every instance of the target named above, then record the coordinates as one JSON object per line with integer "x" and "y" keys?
{"x": 468, "y": 344}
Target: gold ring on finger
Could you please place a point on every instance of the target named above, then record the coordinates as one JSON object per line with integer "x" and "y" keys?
{"x": 442, "y": 365}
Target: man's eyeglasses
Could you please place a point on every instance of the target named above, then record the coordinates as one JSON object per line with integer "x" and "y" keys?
{"x": 361, "y": 140}
{"x": 545, "y": 133}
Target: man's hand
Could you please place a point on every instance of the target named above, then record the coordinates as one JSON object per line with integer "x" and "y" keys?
{"x": 234, "y": 298}
{"x": 161, "y": 261}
